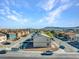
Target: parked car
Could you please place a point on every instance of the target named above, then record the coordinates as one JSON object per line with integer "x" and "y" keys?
{"x": 47, "y": 53}
{"x": 78, "y": 51}
{"x": 74, "y": 44}
{"x": 6, "y": 43}
{"x": 3, "y": 51}
{"x": 62, "y": 47}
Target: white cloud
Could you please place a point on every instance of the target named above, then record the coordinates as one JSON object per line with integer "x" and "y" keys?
{"x": 15, "y": 18}
{"x": 12, "y": 15}
{"x": 16, "y": 13}
{"x": 54, "y": 15}
{"x": 48, "y": 5}
{"x": 59, "y": 10}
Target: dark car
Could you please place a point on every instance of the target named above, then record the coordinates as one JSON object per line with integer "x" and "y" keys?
{"x": 62, "y": 47}
{"x": 74, "y": 44}
{"x": 6, "y": 43}
{"x": 47, "y": 53}
{"x": 78, "y": 51}
{"x": 3, "y": 52}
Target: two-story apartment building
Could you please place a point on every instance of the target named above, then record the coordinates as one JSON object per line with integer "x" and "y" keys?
{"x": 3, "y": 37}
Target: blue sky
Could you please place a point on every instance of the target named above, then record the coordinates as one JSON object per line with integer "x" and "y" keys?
{"x": 39, "y": 13}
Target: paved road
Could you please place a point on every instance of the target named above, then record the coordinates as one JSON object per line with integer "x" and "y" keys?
{"x": 36, "y": 58}
{"x": 68, "y": 48}
{"x": 37, "y": 55}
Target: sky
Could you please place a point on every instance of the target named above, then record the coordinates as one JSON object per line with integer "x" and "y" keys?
{"x": 39, "y": 13}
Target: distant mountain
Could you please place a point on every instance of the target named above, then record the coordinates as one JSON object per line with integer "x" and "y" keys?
{"x": 77, "y": 27}
{"x": 60, "y": 28}
{"x": 52, "y": 28}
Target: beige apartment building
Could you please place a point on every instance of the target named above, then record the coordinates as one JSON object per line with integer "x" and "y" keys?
{"x": 71, "y": 35}
{"x": 3, "y": 37}
{"x": 22, "y": 33}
